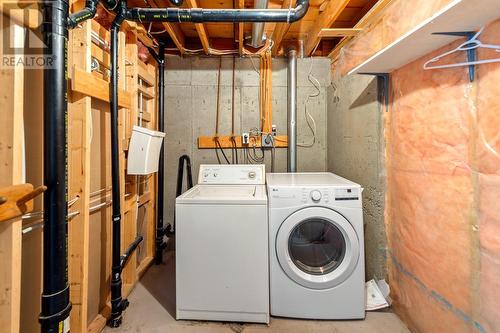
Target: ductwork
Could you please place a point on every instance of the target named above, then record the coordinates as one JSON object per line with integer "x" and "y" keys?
{"x": 258, "y": 28}
{"x": 292, "y": 110}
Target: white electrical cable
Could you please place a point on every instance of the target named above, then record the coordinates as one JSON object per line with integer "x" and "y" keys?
{"x": 311, "y": 123}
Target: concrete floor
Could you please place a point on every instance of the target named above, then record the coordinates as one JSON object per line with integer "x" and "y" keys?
{"x": 152, "y": 309}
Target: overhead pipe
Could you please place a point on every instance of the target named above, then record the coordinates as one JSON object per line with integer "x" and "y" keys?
{"x": 292, "y": 110}
{"x": 258, "y": 27}
{"x": 55, "y": 303}
{"x": 201, "y": 15}
{"x": 89, "y": 11}
{"x": 160, "y": 229}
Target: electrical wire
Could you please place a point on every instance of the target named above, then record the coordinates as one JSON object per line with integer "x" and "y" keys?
{"x": 222, "y": 151}
{"x": 311, "y": 123}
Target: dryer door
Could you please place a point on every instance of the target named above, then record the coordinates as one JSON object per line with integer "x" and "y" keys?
{"x": 317, "y": 247}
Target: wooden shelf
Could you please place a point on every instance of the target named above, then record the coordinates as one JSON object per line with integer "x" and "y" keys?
{"x": 459, "y": 15}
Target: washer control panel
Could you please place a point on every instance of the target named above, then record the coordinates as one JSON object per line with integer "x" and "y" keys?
{"x": 227, "y": 174}
{"x": 315, "y": 195}
{"x": 327, "y": 195}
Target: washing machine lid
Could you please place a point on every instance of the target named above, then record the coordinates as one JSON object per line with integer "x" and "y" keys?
{"x": 225, "y": 194}
{"x": 317, "y": 248}
{"x": 308, "y": 179}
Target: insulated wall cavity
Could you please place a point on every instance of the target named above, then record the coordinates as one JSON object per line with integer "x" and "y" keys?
{"x": 443, "y": 191}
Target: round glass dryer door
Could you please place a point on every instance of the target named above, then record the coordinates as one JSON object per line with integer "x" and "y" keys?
{"x": 317, "y": 247}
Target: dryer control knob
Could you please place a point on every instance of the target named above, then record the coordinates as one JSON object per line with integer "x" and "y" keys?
{"x": 316, "y": 195}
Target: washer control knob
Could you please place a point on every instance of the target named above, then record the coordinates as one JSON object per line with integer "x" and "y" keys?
{"x": 315, "y": 195}
{"x": 252, "y": 174}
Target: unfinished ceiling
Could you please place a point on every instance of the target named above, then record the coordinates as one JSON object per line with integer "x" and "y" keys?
{"x": 325, "y": 24}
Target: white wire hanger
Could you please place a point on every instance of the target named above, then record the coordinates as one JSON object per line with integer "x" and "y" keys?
{"x": 471, "y": 44}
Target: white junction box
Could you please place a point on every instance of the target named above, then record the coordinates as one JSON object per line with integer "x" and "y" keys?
{"x": 144, "y": 151}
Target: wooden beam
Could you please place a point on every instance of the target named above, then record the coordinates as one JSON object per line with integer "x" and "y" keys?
{"x": 325, "y": 20}
{"x": 173, "y": 30}
{"x": 367, "y": 20}
{"x": 331, "y": 33}
{"x": 90, "y": 85}
{"x": 101, "y": 31}
{"x": 144, "y": 74}
{"x": 208, "y": 142}
{"x": 25, "y": 14}
{"x": 12, "y": 101}
{"x": 280, "y": 30}
{"x": 79, "y": 122}
{"x": 11, "y": 205}
{"x": 200, "y": 28}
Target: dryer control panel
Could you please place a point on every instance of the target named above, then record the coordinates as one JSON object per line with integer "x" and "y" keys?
{"x": 237, "y": 174}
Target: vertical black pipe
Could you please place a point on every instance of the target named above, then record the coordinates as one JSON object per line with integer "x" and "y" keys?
{"x": 55, "y": 304}
{"x": 161, "y": 164}
{"x": 117, "y": 303}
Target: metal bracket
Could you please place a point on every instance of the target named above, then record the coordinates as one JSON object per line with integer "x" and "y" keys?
{"x": 471, "y": 54}
{"x": 383, "y": 85}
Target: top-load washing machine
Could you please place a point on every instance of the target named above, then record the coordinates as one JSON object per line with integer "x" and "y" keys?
{"x": 222, "y": 260}
{"x": 316, "y": 246}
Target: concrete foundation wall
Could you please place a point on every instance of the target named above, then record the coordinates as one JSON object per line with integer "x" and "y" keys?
{"x": 191, "y": 99}
{"x": 355, "y": 151}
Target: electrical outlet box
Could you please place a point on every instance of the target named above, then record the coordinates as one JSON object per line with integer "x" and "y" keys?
{"x": 267, "y": 140}
{"x": 245, "y": 138}
{"x": 274, "y": 130}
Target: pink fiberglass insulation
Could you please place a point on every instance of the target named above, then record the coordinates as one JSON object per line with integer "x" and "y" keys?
{"x": 442, "y": 209}
{"x": 443, "y": 194}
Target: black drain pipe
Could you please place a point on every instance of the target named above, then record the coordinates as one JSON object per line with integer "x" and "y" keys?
{"x": 118, "y": 304}
{"x": 200, "y": 15}
{"x": 160, "y": 231}
{"x": 55, "y": 304}
{"x": 184, "y": 159}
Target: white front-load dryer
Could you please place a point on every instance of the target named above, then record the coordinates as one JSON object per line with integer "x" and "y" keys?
{"x": 316, "y": 246}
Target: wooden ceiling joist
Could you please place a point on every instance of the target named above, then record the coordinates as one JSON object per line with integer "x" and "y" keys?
{"x": 333, "y": 32}
{"x": 200, "y": 28}
{"x": 173, "y": 30}
{"x": 280, "y": 30}
{"x": 365, "y": 21}
{"x": 331, "y": 12}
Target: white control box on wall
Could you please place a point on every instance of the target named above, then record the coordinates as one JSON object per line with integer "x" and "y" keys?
{"x": 144, "y": 151}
